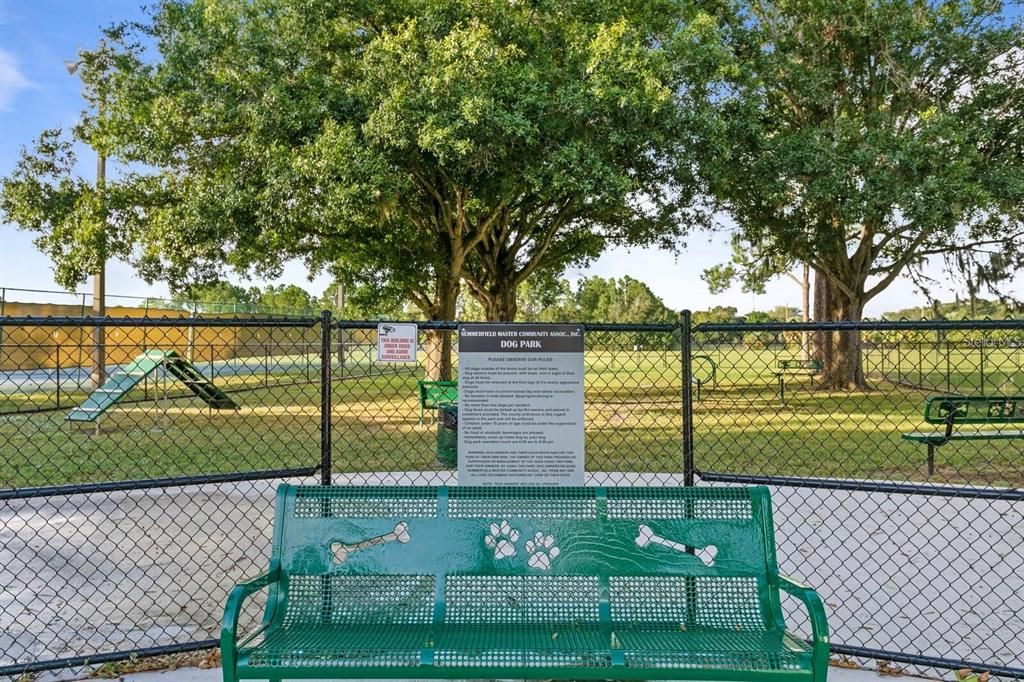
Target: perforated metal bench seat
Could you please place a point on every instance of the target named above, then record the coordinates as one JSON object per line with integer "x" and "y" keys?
{"x": 556, "y": 583}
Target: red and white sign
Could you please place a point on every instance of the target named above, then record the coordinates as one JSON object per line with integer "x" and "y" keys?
{"x": 396, "y": 342}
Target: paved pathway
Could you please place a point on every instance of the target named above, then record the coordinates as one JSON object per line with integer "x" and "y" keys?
{"x": 92, "y": 573}
{"x": 214, "y": 675}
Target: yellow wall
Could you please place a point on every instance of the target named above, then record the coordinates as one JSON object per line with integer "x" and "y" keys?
{"x": 37, "y": 346}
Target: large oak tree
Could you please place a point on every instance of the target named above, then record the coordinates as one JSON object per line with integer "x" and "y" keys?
{"x": 390, "y": 142}
{"x": 864, "y": 137}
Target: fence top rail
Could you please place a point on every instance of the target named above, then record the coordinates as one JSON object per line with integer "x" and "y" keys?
{"x": 198, "y": 321}
{"x": 453, "y": 325}
{"x": 865, "y": 325}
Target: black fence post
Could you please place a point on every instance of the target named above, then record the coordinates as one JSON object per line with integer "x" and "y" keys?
{"x": 686, "y": 359}
{"x": 325, "y": 397}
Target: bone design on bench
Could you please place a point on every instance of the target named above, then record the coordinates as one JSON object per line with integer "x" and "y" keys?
{"x": 399, "y": 534}
{"x": 539, "y": 583}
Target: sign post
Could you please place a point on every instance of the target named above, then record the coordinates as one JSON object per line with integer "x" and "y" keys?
{"x": 521, "y": 404}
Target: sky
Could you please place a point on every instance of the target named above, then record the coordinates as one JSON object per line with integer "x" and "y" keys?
{"x": 37, "y": 93}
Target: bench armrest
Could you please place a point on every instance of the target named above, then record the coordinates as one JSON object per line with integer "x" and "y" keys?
{"x": 233, "y": 611}
{"x": 819, "y": 624}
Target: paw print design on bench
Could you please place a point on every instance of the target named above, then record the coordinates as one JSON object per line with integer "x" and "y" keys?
{"x": 340, "y": 550}
{"x": 502, "y": 539}
{"x": 542, "y": 551}
{"x": 646, "y": 536}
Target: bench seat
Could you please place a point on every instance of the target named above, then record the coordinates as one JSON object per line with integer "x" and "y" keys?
{"x": 539, "y": 647}
{"x": 539, "y": 583}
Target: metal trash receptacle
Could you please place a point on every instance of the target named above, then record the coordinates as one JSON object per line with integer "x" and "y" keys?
{"x": 448, "y": 436}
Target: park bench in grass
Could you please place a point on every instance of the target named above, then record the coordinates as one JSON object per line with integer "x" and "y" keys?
{"x": 952, "y": 411}
{"x": 790, "y": 366}
{"x": 554, "y": 583}
{"x": 434, "y": 394}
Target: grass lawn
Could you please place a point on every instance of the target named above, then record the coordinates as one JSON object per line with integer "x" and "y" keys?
{"x": 633, "y": 413}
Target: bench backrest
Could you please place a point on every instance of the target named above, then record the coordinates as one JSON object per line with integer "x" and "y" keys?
{"x": 437, "y": 393}
{"x": 974, "y": 409}
{"x": 409, "y": 555}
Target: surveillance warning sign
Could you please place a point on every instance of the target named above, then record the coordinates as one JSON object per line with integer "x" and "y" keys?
{"x": 397, "y": 342}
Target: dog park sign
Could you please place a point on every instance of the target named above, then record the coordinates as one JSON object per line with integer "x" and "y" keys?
{"x": 397, "y": 342}
{"x": 521, "y": 404}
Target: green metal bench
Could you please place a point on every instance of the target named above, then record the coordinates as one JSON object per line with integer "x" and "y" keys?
{"x": 788, "y": 366}
{"x": 554, "y": 583}
{"x": 434, "y": 394}
{"x": 952, "y": 411}
{"x": 812, "y": 366}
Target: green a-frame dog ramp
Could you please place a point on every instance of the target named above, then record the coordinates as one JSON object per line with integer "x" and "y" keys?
{"x": 127, "y": 377}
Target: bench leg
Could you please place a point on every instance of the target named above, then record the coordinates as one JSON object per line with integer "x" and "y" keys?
{"x": 931, "y": 459}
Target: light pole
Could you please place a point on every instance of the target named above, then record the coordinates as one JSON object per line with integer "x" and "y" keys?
{"x": 99, "y": 278}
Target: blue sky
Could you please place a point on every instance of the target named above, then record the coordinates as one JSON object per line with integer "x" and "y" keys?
{"x": 36, "y": 93}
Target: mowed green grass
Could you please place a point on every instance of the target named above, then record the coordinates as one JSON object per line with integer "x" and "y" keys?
{"x": 634, "y": 424}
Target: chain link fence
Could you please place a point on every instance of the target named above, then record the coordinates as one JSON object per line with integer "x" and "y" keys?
{"x": 128, "y": 513}
{"x": 912, "y": 529}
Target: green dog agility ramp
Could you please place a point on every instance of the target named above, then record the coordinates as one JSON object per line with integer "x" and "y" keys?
{"x": 129, "y": 376}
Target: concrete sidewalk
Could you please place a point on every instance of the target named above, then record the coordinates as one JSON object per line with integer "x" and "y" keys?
{"x": 214, "y": 675}
{"x": 941, "y": 577}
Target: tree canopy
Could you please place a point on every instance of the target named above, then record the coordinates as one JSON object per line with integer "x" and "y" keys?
{"x": 393, "y": 143}
{"x": 863, "y": 139}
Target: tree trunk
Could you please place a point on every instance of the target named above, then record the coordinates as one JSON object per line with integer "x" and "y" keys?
{"x": 439, "y": 355}
{"x": 822, "y": 311}
{"x": 805, "y": 335}
{"x": 843, "y": 367}
{"x": 439, "y": 342}
{"x": 500, "y": 304}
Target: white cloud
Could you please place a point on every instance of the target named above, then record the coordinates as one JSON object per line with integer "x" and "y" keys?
{"x": 11, "y": 80}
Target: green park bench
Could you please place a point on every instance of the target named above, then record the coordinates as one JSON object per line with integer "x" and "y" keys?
{"x": 812, "y": 366}
{"x": 790, "y": 366}
{"x": 552, "y": 583}
{"x": 952, "y": 411}
{"x": 434, "y": 394}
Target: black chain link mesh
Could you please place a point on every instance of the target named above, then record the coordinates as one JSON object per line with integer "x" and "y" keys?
{"x": 102, "y": 554}
{"x": 909, "y": 561}
{"x": 125, "y": 530}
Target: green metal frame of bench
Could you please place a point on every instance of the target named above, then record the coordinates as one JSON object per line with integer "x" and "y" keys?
{"x": 793, "y": 366}
{"x": 954, "y": 410}
{"x": 434, "y": 394}
{"x": 552, "y": 583}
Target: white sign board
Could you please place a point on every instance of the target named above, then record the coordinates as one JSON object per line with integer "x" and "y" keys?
{"x": 521, "y": 404}
{"x": 397, "y": 342}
